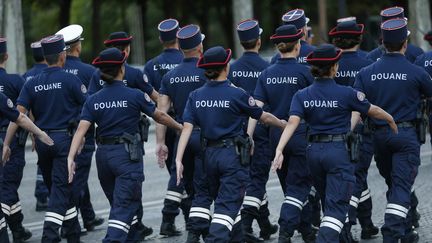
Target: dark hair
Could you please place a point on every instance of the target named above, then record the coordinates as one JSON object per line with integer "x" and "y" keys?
{"x": 52, "y": 59}
{"x": 213, "y": 73}
{"x": 108, "y": 74}
{"x": 250, "y": 44}
{"x": 121, "y": 47}
{"x": 39, "y": 58}
{"x": 2, "y": 57}
{"x": 285, "y": 47}
{"x": 392, "y": 47}
{"x": 321, "y": 70}
{"x": 347, "y": 43}
{"x": 169, "y": 43}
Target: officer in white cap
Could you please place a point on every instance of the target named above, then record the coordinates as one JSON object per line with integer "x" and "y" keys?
{"x": 74, "y": 65}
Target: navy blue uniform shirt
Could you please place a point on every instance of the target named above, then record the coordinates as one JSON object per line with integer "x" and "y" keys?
{"x": 218, "y": 108}
{"x": 35, "y": 70}
{"x": 116, "y": 109}
{"x": 10, "y": 85}
{"x": 54, "y": 97}
{"x": 278, "y": 83}
{"x": 305, "y": 50}
{"x": 395, "y": 85}
{"x": 411, "y": 53}
{"x": 244, "y": 72}
{"x": 7, "y": 109}
{"x": 327, "y": 106}
{"x": 362, "y": 53}
{"x": 350, "y": 64}
{"x": 133, "y": 78}
{"x": 157, "y": 67}
{"x": 83, "y": 71}
{"x": 425, "y": 61}
{"x": 178, "y": 83}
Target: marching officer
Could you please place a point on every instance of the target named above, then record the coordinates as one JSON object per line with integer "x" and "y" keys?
{"x": 157, "y": 67}
{"x": 116, "y": 109}
{"x": 74, "y": 65}
{"x": 217, "y": 108}
{"x": 41, "y": 191}
{"x": 298, "y": 18}
{"x": 275, "y": 88}
{"x": 244, "y": 73}
{"x": 175, "y": 88}
{"x": 8, "y": 110}
{"x": 62, "y": 94}
{"x": 327, "y": 109}
{"x": 11, "y": 85}
{"x": 347, "y": 36}
{"x": 412, "y": 51}
{"x": 396, "y": 85}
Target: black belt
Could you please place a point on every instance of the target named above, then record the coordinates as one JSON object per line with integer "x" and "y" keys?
{"x": 57, "y": 130}
{"x": 220, "y": 143}
{"x": 110, "y": 140}
{"x": 407, "y": 124}
{"x": 326, "y": 138}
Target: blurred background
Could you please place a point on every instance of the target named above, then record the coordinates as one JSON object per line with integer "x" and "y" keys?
{"x": 26, "y": 21}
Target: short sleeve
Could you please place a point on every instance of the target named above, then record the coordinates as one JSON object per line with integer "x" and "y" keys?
{"x": 94, "y": 85}
{"x": 78, "y": 89}
{"x": 8, "y": 109}
{"x": 87, "y": 112}
{"x": 260, "y": 93}
{"x": 358, "y": 83}
{"x": 247, "y": 105}
{"x": 189, "y": 111}
{"x": 141, "y": 84}
{"x": 147, "y": 74}
{"x": 164, "y": 89}
{"x": 297, "y": 108}
{"x": 24, "y": 98}
{"x": 357, "y": 101}
{"x": 425, "y": 83}
{"x": 145, "y": 104}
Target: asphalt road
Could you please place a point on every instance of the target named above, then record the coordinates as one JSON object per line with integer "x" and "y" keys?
{"x": 154, "y": 189}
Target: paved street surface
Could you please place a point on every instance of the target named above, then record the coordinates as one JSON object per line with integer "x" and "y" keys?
{"x": 155, "y": 185}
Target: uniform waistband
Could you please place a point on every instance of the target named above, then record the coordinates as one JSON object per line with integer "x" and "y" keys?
{"x": 56, "y": 130}
{"x": 220, "y": 143}
{"x": 326, "y": 138}
{"x": 406, "y": 124}
{"x": 110, "y": 140}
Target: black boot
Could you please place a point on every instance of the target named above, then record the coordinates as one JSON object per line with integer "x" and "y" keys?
{"x": 21, "y": 235}
{"x": 41, "y": 205}
{"x": 411, "y": 237}
{"x": 143, "y": 231}
{"x": 369, "y": 231}
{"x": 309, "y": 237}
{"x": 284, "y": 237}
{"x": 416, "y": 218}
{"x": 91, "y": 224}
{"x": 267, "y": 228}
{"x": 169, "y": 229}
{"x": 193, "y": 237}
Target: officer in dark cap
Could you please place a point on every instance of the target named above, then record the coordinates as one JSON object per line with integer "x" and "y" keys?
{"x": 244, "y": 73}
{"x": 116, "y": 109}
{"x": 360, "y": 52}
{"x": 217, "y": 108}
{"x": 347, "y": 36}
{"x": 72, "y": 35}
{"x": 275, "y": 88}
{"x": 398, "y": 86}
{"x": 412, "y": 51}
{"x": 62, "y": 94}
{"x": 175, "y": 88}
{"x": 327, "y": 107}
{"x": 298, "y": 18}
{"x": 41, "y": 191}
{"x": 157, "y": 67}
{"x": 11, "y": 85}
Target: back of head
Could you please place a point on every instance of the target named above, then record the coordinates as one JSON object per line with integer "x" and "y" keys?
{"x": 395, "y": 34}
{"x": 249, "y": 33}
{"x": 167, "y": 32}
{"x": 323, "y": 59}
{"x": 347, "y": 34}
{"x": 109, "y": 62}
{"x": 214, "y": 61}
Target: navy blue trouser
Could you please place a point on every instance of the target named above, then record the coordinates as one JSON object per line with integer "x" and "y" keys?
{"x": 398, "y": 159}
{"x": 295, "y": 175}
{"x": 170, "y": 142}
{"x": 255, "y": 202}
{"x": 61, "y": 208}
{"x": 227, "y": 180}
{"x": 334, "y": 179}
{"x": 12, "y": 176}
{"x": 181, "y": 196}
{"x": 41, "y": 191}
{"x": 3, "y": 226}
{"x": 361, "y": 201}
{"x": 121, "y": 180}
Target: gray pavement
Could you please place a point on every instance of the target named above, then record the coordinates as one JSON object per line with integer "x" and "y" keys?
{"x": 155, "y": 185}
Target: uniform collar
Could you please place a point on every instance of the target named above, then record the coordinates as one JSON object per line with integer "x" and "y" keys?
{"x": 73, "y": 58}
{"x": 393, "y": 55}
{"x": 52, "y": 69}
{"x": 218, "y": 83}
{"x": 190, "y": 59}
{"x": 283, "y": 60}
{"x": 324, "y": 81}
{"x": 115, "y": 84}
{"x": 250, "y": 53}
{"x": 171, "y": 50}
{"x": 39, "y": 65}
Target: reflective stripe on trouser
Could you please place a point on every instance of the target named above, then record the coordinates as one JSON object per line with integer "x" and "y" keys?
{"x": 334, "y": 180}
{"x": 121, "y": 180}
{"x": 227, "y": 180}
{"x": 181, "y": 196}
{"x": 53, "y": 163}
{"x": 12, "y": 176}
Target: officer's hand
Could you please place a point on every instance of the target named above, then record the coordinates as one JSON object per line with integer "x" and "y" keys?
{"x": 71, "y": 169}
{"x": 44, "y": 138}
{"x": 161, "y": 154}
{"x": 393, "y": 126}
{"x": 6, "y": 154}
{"x": 33, "y": 142}
{"x": 179, "y": 166}
{"x": 252, "y": 147}
{"x": 277, "y": 161}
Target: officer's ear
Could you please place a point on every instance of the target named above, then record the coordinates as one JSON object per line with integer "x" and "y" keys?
{"x": 405, "y": 45}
